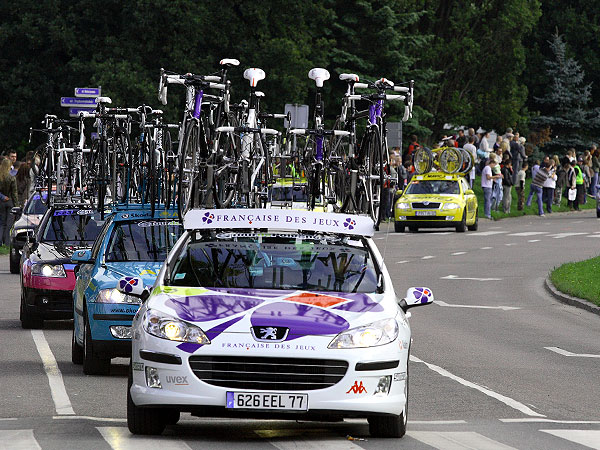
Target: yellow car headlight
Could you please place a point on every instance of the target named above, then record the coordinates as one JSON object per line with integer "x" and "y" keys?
{"x": 451, "y": 206}
{"x": 402, "y": 205}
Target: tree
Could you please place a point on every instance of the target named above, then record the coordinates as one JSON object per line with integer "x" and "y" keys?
{"x": 565, "y": 105}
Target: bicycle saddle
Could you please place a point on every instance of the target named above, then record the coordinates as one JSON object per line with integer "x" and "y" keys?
{"x": 254, "y": 75}
{"x": 348, "y": 77}
{"x": 229, "y": 62}
{"x": 319, "y": 75}
{"x": 106, "y": 100}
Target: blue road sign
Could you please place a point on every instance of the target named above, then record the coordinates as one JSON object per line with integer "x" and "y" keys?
{"x": 87, "y": 92}
{"x": 74, "y": 112}
{"x": 80, "y": 102}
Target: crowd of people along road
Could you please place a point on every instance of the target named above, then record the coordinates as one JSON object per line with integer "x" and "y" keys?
{"x": 16, "y": 185}
{"x": 503, "y": 166}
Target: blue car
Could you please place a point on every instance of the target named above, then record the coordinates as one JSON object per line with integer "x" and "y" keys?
{"x": 132, "y": 243}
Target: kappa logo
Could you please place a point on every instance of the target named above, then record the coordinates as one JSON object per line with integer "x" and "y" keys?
{"x": 268, "y": 333}
{"x": 177, "y": 380}
{"x": 357, "y": 388}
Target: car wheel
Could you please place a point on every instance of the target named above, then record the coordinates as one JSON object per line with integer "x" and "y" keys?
{"x": 413, "y": 228}
{"x": 462, "y": 226}
{"x": 14, "y": 263}
{"x": 598, "y": 213}
{"x": 399, "y": 227}
{"x": 143, "y": 420}
{"x": 28, "y": 321}
{"x": 391, "y": 426}
{"x": 76, "y": 350}
{"x": 172, "y": 416}
{"x": 92, "y": 364}
{"x": 475, "y": 224}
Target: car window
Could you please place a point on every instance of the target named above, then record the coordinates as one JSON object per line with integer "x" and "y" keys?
{"x": 76, "y": 225}
{"x": 35, "y": 205}
{"x": 148, "y": 240}
{"x": 98, "y": 242}
{"x": 289, "y": 193}
{"x": 433, "y": 187}
{"x": 269, "y": 261}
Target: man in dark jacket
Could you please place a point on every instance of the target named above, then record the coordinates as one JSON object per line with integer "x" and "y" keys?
{"x": 517, "y": 154}
{"x": 507, "y": 184}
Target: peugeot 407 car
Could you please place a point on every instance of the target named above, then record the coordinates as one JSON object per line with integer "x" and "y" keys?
{"x": 250, "y": 317}
{"x": 47, "y": 274}
{"x": 135, "y": 243}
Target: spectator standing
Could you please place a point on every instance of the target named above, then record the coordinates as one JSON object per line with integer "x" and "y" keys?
{"x": 508, "y": 135}
{"x": 520, "y": 187}
{"x": 537, "y": 184}
{"x": 12, "y": 155}
{"x": 595, "y": 169}
{"x": 23, "y": 182}
{"x": 507, "y": 184}
{"x": 8, "y": 199}
{"x": 571, "y": 184}
{"x": 461, "y": 140}
{"x": 517, "y": 153}
{"x": 487, "y": 181}
{"x": 497, "y": 143}
{"x": 470, "y": 147}
{"x": 561, "y": 180}
{"x": 471, "y": 132}
{"x": 412, "y": 147}
{"x": 497, "y": 186}
{"x": 484, "y": 143}
{"x": 549, "y": 186}
{"x": 579, "y": 183}
{"x": 534, "y": 170}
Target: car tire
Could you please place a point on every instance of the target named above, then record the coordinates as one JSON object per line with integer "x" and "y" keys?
{"x": 413, "y": 228}
{"x": 598, "y": 213}
{"x": 28, "y": 320}
{"x": 76, "y": 350}
{"x": 475, "y": 224}
{"x": 399, "y": 227}
{"x": 462, "y": 226}
{"x": 391, "y": 426}
{"x": 92, "y": 364}
{"x": 14, "y": 263}
{"x": 148, "y": 421}
{"x": 172, "y": 416}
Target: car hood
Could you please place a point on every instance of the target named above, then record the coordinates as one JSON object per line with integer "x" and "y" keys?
{"x": 59, "y": 251}
{"x": 431, "y": 198}
{"x": 113, "y": 271}
{"x": 228, "y": 311}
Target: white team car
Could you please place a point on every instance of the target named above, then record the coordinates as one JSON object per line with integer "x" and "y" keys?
{"x": 250, "y": 317}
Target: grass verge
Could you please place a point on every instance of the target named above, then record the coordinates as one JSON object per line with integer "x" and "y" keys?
{"x": 3, "y": 249}
{"x": 527, "y": 210}
{"x": 579, "y": 279}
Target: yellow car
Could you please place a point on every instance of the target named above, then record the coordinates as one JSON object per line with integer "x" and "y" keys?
{"x": 435, "y": 200}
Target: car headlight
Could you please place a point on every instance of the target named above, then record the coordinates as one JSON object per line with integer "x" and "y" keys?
{"x": 451, "y": 206}
{"x": 168, "y": 327}
{"x": 49, "y": 270}
{"x": 115, "y": 296}
{"x": 403, "y": 205}
{"x": 377, "y": 333}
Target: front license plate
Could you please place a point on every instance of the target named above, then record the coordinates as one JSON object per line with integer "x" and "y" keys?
{"x": 264, "y": 400}
{"x": 425, "y": 213}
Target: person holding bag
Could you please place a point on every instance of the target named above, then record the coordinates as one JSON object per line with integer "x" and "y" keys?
{"x": 8, "y": 199}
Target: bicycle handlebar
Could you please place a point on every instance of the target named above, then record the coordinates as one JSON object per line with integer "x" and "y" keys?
{"x": 287, "y": 116}
{"x": 305, "y": 131}
{"x": 361, "y": 86}
{"x": 404, "y": 89}
{"x": 376, "y": 97}
{"x": 247, "y": 130}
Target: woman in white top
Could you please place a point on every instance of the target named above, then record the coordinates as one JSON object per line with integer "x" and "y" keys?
{"x": 549, "y": 186}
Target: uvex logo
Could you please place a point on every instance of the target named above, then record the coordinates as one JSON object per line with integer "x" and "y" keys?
{"x": 177, "y": 379}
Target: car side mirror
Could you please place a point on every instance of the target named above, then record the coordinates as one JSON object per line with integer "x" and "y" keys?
{"x": 399, "y": 192}
{"x": 416, "y": 296}
{"x": 17, "y": 210}
{"x": 133, "y": 286}
{"x": 469, "y": 192}
{"x": 82, "y": 257}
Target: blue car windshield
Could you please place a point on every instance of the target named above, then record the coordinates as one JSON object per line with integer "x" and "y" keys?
{"x": 247, "y": 260}
{"x": 73, "y": 225}
{"x": 145, "y": 240}
{"x": 433, "y": 187}
{"x": 35, "y": 205}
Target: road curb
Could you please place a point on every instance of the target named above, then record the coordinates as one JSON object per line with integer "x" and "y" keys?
{"x": 570, "y": 300}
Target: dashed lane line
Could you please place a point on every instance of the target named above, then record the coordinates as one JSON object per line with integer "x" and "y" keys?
{"x": 533, "y": 240}
{"x": 503, "y": 308}
{"x": 543, "y": 420}
{"x": 428, "y": 257}
{"x": 487, "y": 233}
{"x": 528, "y": 233}
{"x": 456, "y": 277}
{"x": 458, "y": 253}
{"x": 560, "y": 351}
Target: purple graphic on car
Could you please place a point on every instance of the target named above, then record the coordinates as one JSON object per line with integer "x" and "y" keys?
{"x": 208, "y": 217}
{"x": 349, "y": 223}
{"x": 422, "y": 294}
{"x": 190, "y": 347}
{"x": 199, "y": 308}
{"x": 301, "y": 319}
{"x": 360, "y": 303}
{"x": 126, "y": 284}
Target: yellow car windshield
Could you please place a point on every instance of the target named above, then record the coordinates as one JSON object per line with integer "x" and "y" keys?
{"x": 433, "y": 187}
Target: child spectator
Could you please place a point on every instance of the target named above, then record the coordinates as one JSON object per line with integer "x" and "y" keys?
{"x": 520, "y": 187}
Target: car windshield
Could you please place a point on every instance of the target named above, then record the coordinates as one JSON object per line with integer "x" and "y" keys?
{"x": 148, "y": 240}
{"x": 271, "y": 261}
{"x": 288, "y": 193}
{"x": 77, "y": 225}
{"x": 35, "y": 205}
{"x": 433, "y": 187}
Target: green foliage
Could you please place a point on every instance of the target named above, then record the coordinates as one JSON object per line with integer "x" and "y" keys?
{"x": 579, "y": 279}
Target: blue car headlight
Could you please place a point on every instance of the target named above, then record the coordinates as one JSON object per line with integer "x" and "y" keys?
{"x": 167, "y": 327}
{"x": 49, "y": 270}
{"x": 115, "y": 296}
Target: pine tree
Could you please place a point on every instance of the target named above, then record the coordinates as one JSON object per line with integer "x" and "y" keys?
{"x": 564, "y": 108}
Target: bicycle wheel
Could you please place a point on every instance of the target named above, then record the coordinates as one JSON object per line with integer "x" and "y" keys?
{"x": 375, "y": 173}
{"x": 227, "y": 169}
{"x": 450, "y": 160}
{"x": 188, "y": 168}
{"x": 422, "y": 160}
{"x": 467, "y": 161}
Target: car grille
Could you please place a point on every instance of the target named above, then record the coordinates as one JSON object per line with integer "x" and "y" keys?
{"x": 280, "y": 374}
{"x": 420, "y": 205}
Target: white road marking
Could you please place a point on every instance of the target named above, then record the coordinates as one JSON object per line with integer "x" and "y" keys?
{"x": 501, "y": 398}
{"x": 98, "y": 419}
{"x": 504, "y": 308}
{"x": 564, "y": 235}
{"x": 9, "y": 418}
{"x": 510, "y": 243}
{"x": 487, "y": 233}
{"x": 535, "y": 419}
{"x": 528, "y": 233}
{"x": 19, "y": 440}
{"x": 442, "y": 233}
{"x": 458, "y": 253}
{"x": 436, "y": 422}
{"x": 560, "y": 351}
{"x": 486, "y": 248}
{"x": 62, "y": 403}
{"x": 119, "y": 438}
{"x": 402, "y": 262}
{"x": 588, "y": 438}
{"x": 294, "y": 439}
{"x": 533, "y": 240}
{"x": 594, "y": 235}
{"x": 457, "y": 440}
{"x": 456, "y": 277}
{"x": 428, "y": 257}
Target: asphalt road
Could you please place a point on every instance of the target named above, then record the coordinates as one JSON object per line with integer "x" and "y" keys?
{"x": 496, "y": 363}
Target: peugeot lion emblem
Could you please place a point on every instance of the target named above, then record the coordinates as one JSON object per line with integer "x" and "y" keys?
{"x": 269, "y": 334}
